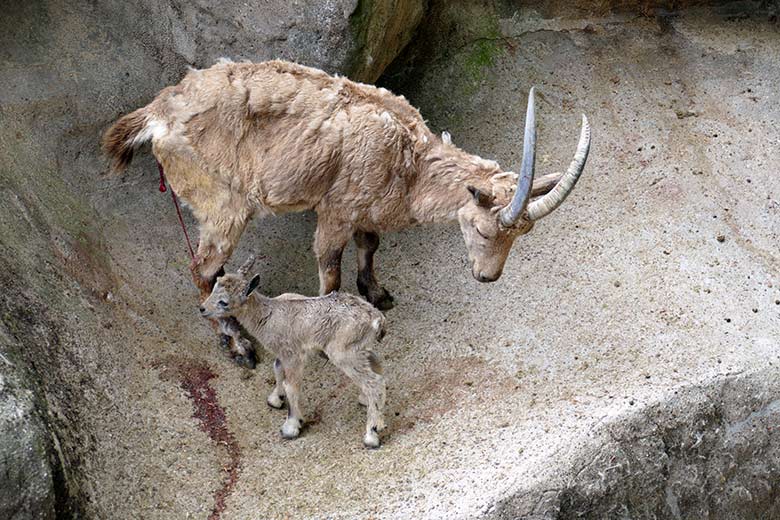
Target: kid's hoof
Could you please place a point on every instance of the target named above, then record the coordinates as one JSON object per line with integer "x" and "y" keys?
{"x": 291, "y": 429}
{"x": 275, "y": 401}
{"x": 362, "y": 399}
{"x": 371, "y": 440}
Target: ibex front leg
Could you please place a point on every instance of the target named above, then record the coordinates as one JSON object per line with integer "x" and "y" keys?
{"x": 367, "y": 243}
{"x": 276, "y": 398}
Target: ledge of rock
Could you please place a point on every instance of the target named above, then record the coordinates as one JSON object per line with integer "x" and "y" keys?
{"x": 625, "y": 365}
{"x": 72, "y": 349}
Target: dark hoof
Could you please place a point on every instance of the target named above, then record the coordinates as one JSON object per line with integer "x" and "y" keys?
{"x": 247, "y": 360}
{"x": 382, "y": 299}
{"x": 384, "y": 302}
{"x": 224, "y": 342}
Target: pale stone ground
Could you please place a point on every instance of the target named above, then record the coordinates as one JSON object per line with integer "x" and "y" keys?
{"x": 543, "y": 391}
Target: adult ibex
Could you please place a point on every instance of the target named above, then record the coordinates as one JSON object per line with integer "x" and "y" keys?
{"x": 240, "y": 140}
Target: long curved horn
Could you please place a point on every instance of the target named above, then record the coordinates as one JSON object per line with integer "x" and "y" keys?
{"x": 244, "y": 269}
{"x": 544, "y": 206}
{"x": 515, "y": 209}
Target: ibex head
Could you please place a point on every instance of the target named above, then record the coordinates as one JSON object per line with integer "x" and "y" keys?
{"x": 489, "y": 228}
{"x": 230, "y": 292}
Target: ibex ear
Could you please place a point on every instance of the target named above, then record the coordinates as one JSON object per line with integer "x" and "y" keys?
{"x": 480, "y": 197}
{"x": 252, "y": 285}
{"x": 446, "y": 138}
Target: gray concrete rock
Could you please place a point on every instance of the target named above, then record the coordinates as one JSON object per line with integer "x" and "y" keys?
{"x": 708, "y": 451}
{"x": 625, "y": 365}
{"x": 358, "y": 38}
{"x": 27, "y": 488}
{"x": 683, "y": 427}
{"x": 67, "y": 69}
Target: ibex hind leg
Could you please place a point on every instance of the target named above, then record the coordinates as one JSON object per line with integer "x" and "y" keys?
{"x": 329, "y": 241}
{"x": 293, "y": 379}
{"x": 367, "y": 243}
{"x": 365, "y": 370}
{"x": 214, "y": 249}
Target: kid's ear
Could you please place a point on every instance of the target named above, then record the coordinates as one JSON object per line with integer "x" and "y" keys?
{"x": 480, "y": 197}
{"x": 252, "y": 285}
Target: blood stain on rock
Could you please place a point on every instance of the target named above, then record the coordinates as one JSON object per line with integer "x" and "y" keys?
{"x": 193, "y": 377}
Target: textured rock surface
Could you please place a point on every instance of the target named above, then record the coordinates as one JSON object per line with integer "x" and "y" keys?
{"x": 382, "y": 28}
{"x": 711, "y": 450}
{"x": 27, "y": 487}
{"x": 626, "y": 364}
{"x": 81, "y": 355}
{"x": 354, "y": 37}
{"x": 650, "y": 374}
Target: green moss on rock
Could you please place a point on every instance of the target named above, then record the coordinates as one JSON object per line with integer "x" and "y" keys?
{"x": 459, "y": 43}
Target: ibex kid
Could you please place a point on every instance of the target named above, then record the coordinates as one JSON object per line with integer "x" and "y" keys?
{"x": 342, "y": 326}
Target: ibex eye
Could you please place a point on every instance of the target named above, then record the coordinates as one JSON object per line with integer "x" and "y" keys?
{"x": 223, "y": 303}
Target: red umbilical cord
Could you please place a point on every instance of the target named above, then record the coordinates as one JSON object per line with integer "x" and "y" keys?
{"x": 163, "y": 189}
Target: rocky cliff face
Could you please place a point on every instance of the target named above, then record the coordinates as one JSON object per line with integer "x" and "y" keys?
{"x": 68, "y": 69}
{"x": 31, "y": 469}
{"x": 625, "y": 365}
